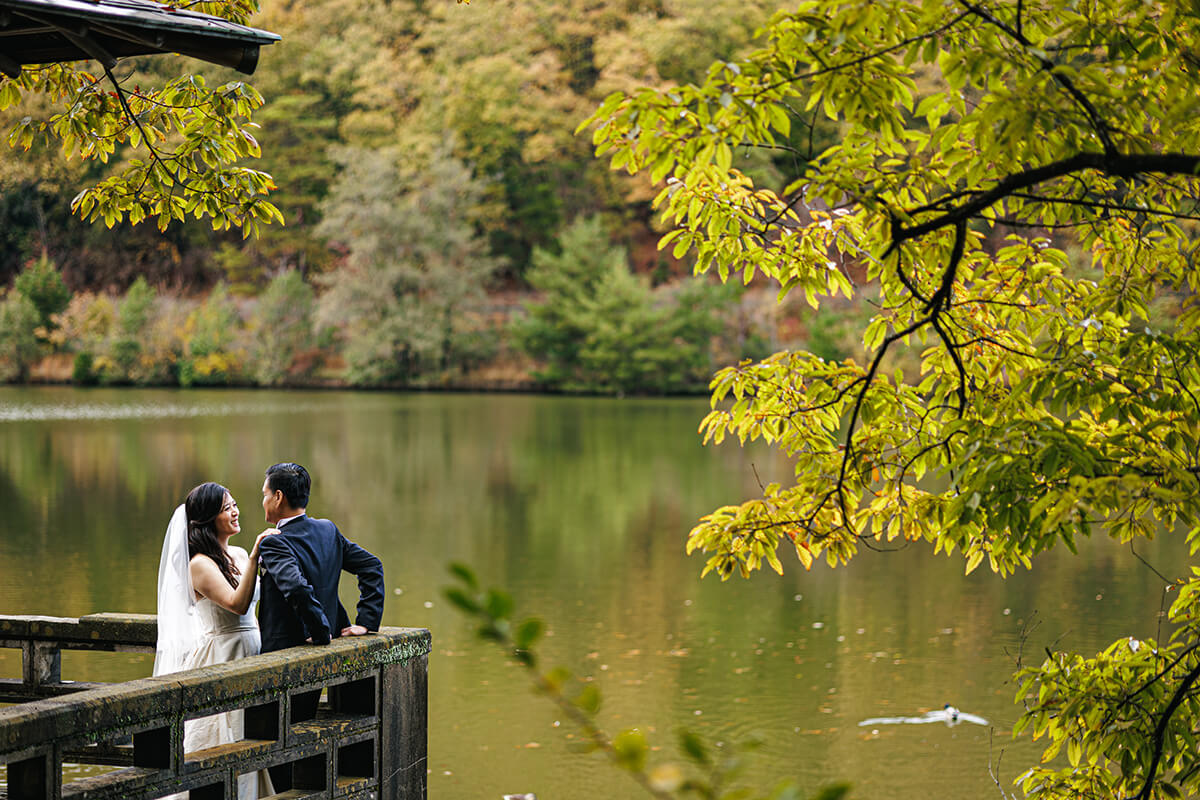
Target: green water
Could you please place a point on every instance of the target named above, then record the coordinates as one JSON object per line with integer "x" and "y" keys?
{"x": 580, "y": 506}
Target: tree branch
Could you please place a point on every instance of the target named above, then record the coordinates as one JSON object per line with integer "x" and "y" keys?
{"x": 858, "y": 400}
{"x": 941, "y": 298}
{"x": 1093, "y": 115}
{"x": 952, "y": 349}
{"x": 854, "y": 62}
{"x": 1160, "y": 730}
{"x": 1116, "y": 165}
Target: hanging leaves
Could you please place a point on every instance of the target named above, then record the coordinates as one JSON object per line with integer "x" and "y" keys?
{"x": 180, "y": 148}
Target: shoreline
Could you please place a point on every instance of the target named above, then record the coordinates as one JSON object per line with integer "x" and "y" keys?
{"x": 42, "y": 375}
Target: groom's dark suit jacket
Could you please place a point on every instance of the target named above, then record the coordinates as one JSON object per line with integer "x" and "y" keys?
{"x": 299, "y": 596}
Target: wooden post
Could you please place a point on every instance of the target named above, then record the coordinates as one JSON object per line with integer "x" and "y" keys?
{"x": 403, "y": 718}
{"x": 41, "y": 663}
{"x": 32, "y": 779}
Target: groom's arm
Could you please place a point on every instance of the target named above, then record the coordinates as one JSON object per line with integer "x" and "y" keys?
{"x": 280, "y": 563}
{"x": 369, "y": 570}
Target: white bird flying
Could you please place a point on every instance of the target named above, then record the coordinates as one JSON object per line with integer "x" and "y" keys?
{"x": 947, "y": 714}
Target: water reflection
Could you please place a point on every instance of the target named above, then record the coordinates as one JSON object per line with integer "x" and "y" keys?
{"x": 580, "y": 506}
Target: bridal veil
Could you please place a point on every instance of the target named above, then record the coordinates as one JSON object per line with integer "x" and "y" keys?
{"x": 179, "y": 630}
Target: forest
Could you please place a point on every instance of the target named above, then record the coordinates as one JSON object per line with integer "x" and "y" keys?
{"x": 444, "y": 223}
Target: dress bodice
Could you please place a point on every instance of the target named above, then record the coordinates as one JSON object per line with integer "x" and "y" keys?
{"x": 216, "y": 620}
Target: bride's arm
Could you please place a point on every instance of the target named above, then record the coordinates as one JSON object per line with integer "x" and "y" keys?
{"x": 208, "y": 581}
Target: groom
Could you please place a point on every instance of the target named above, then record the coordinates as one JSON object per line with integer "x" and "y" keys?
{"x": 301, "y": 566}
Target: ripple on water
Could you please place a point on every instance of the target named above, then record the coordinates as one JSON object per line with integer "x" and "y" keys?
{"x": 38, "y": 412}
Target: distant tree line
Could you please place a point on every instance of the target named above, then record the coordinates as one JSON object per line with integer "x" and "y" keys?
{"x": 419, "y": 319}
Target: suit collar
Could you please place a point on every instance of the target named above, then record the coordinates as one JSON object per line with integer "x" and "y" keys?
{"x": 289, "y": 520}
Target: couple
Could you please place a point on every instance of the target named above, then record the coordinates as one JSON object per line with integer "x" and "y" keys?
{"x": 208, "y": 588}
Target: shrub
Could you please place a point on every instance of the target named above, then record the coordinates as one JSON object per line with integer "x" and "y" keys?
{"x": 18, "y": 344}
{"x": 125, "y": 347}
{"x": 85, "y": 324}
{"x": 83, "y": 371}
{"x": 210, "y": 356}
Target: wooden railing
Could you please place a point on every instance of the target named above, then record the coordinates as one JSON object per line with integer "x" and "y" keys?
{"x": 366, "y": 740}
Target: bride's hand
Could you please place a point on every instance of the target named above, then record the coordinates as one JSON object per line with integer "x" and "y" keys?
{"x": 261, "y": 536}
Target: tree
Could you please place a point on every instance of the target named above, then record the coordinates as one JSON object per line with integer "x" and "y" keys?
{"x": 334, "y": 62}
{"x": 501, "y": 76}
{"x": 599, "y": 328}
{"x": 982, "y": 144}
{"x": 41, "y": 282}
{"x": 504, "y": 75}
{"x": 193, "y": 137}
{"x": 284, "y": 328}
{"x": 409, "y": 295}
{"x": 18, "y": 345}
{"x": 128, "y": 337}
{"x": 210, "y": 355}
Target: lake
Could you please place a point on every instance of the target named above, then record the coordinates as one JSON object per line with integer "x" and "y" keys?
{"x": 580, "y": 507}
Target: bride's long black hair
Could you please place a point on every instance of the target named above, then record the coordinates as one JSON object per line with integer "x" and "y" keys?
{"x": 203, "y": 506}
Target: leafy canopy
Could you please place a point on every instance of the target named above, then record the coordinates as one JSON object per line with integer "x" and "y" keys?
{"x": 1019, "y": 180}
{"x": 177, "y": 150}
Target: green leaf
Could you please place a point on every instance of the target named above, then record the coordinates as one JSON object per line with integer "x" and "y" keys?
{"x": 630, "y": 748}
{"x": 527, "y": 633}
{"x": 588, "y": 699}
{"x": 835, "y": 791}
{"x": 464, "y": 574}
{"x": 557, "y": 678}
{"x": 498, "y": 604}
{"x": 462, "y": 600}
{"x": 693, "y": 747}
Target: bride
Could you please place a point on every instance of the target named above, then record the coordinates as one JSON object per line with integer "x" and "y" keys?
{"x": 207, "y": 592}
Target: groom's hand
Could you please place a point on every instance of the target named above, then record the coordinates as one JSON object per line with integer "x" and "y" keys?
{"x": 355, "y": 630}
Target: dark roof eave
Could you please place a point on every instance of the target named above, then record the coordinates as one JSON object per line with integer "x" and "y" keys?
{"x": 46, "y": 31}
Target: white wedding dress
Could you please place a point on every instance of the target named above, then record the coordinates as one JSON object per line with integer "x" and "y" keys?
{"x": 226, "y": 637}
{"x": 196, "y": 632}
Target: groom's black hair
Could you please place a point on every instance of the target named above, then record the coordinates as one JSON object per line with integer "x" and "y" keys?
{"x": 292, "y": 480}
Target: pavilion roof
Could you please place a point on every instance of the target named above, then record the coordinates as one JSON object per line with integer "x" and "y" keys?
{"x": 50, "y": 31}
